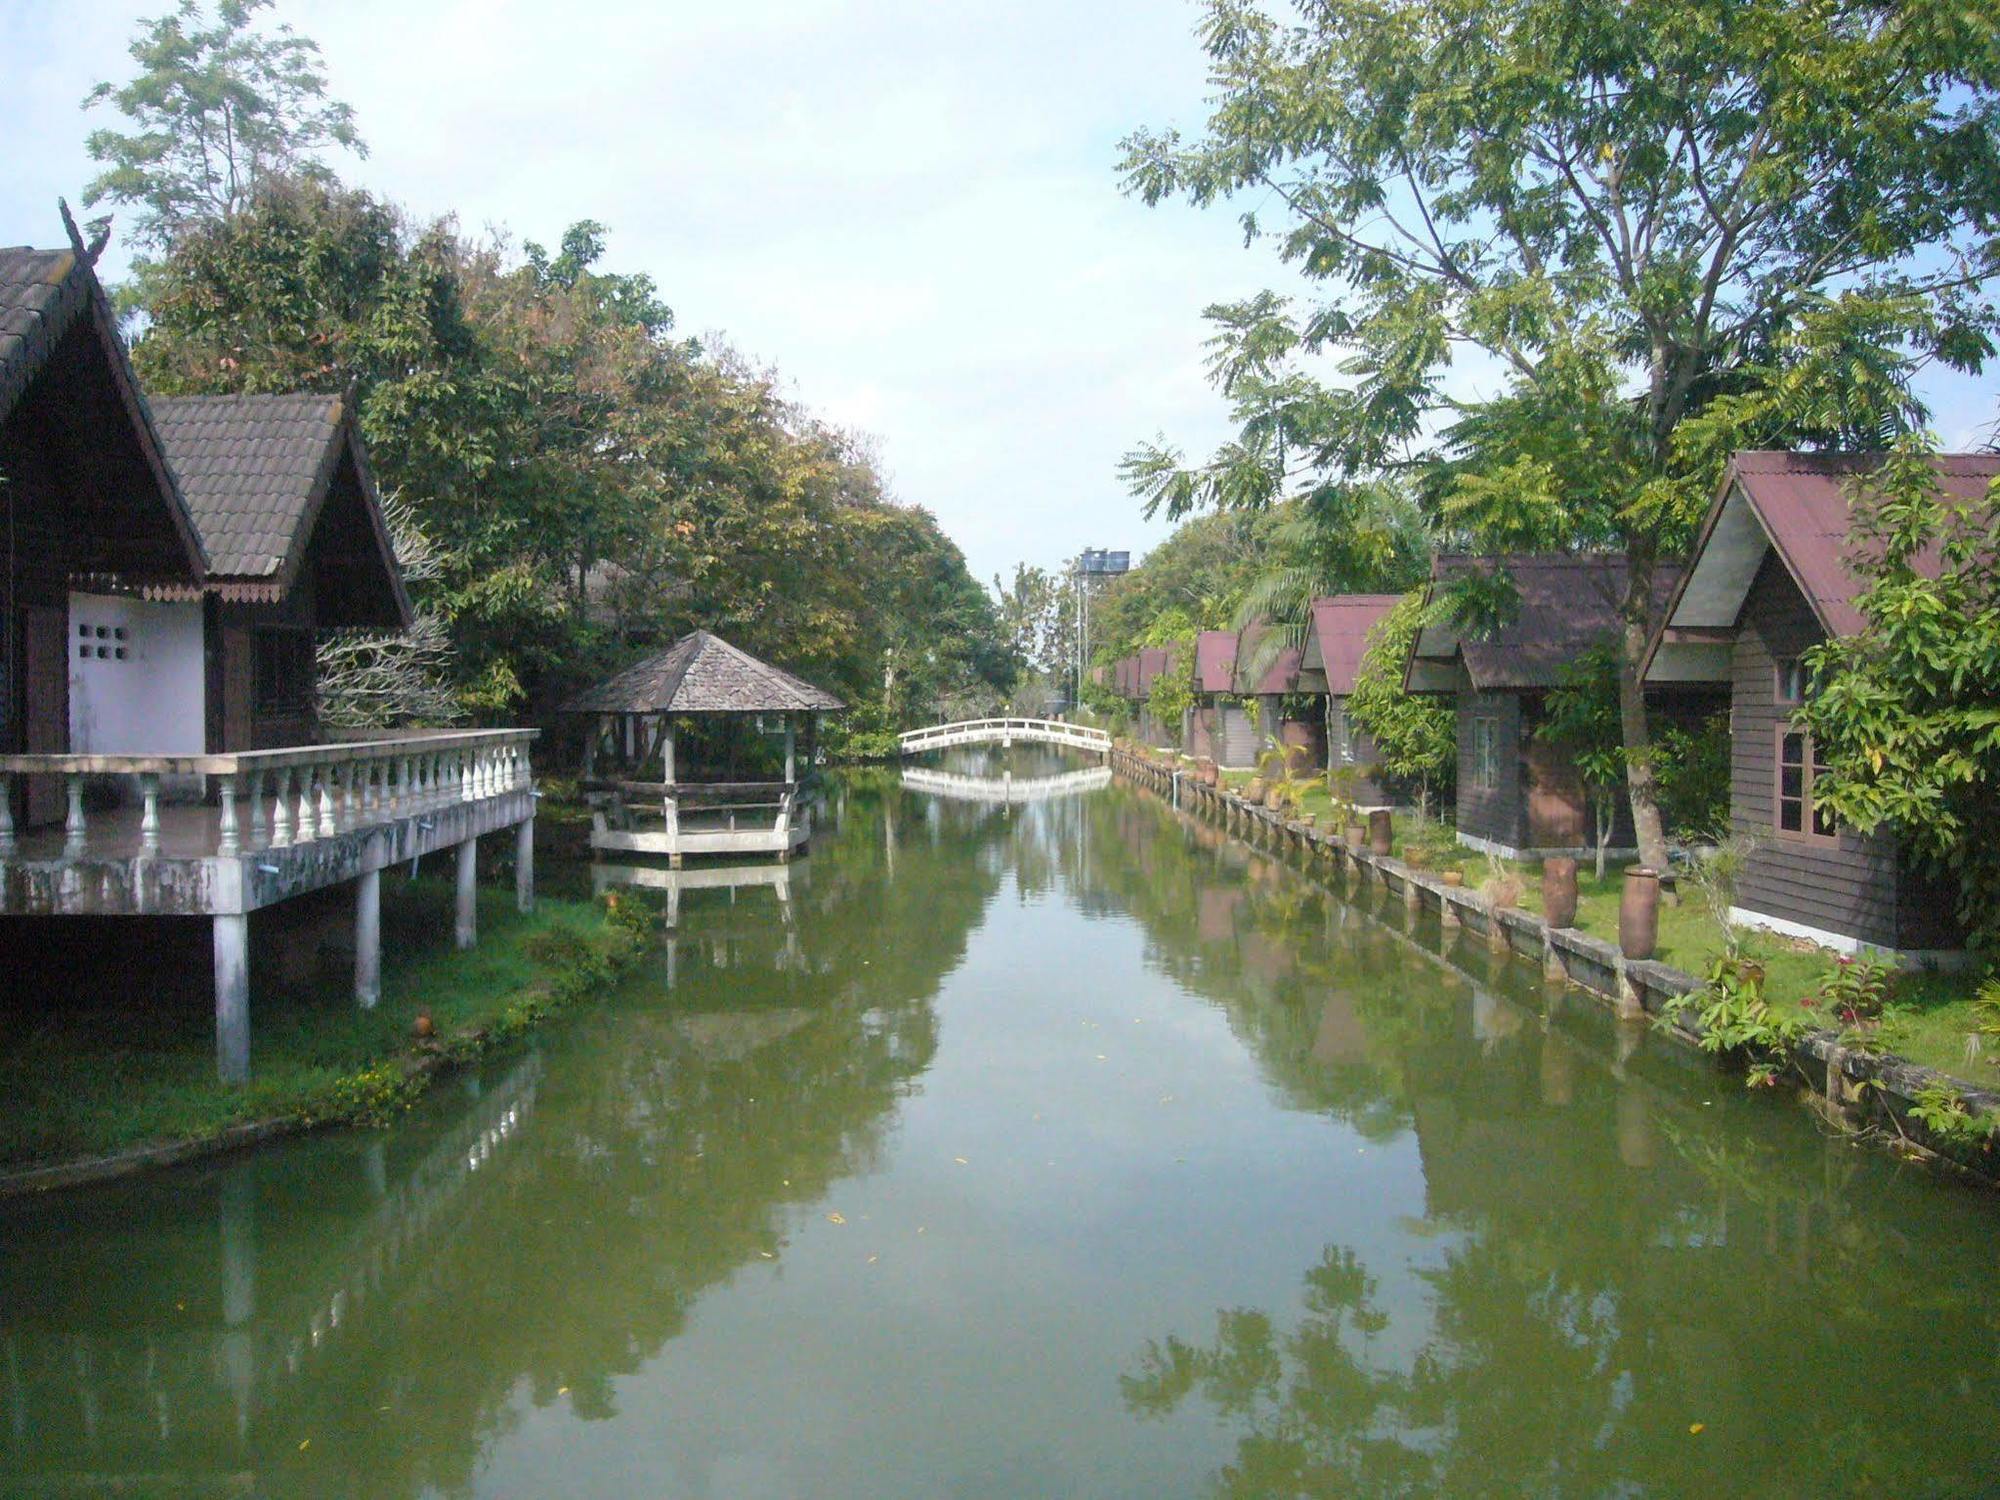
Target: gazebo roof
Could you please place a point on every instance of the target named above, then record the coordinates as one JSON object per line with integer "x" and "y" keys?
{"x": 703, "y": 674}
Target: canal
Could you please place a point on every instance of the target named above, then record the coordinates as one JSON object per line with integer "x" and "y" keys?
{"x": 1027, "y": 1142}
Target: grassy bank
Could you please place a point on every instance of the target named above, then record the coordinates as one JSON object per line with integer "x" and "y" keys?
{"x": 88, "y": 1068}
{"x": 1939, "y": 1012}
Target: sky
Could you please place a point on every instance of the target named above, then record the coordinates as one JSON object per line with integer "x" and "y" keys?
{"x": 910, "y": 209}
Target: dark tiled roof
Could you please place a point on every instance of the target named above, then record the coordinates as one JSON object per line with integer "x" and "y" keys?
{"x": 254, "y": 470}
{"x": 1281, "y": 675}
{"x": 1341, "y": 623}
{"x": 702, "y": 674}
{"x": 1568, "y": 604}
{"x": 1803, "y": 501}
{"x": 1154, "y": 663}
{"x": 41, "y": 292}
{"x": 1214, "y": 661}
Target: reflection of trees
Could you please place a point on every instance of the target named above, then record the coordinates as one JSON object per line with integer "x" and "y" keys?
{"x": 1615, "y": 1249}
{"x": 667, "y": 1149}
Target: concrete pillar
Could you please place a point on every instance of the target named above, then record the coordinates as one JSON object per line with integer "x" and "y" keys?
{"x": 524, "y": 866}
{"x": 791, "y": 749}
{"x": 232, "y": 997}
{"x": 368, "y": 939}
{"x": 465, "y": 931}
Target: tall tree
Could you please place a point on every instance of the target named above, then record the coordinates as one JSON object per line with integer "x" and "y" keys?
{"x": 218, "y": 109}
{"x": 1631, "y": 210}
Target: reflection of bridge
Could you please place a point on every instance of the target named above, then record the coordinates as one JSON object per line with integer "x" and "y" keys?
{"x": 1005, "y": 732}
{"x": 1005, "y": 788}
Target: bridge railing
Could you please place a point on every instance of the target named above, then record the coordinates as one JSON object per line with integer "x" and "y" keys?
{"x": 975, "y": 731}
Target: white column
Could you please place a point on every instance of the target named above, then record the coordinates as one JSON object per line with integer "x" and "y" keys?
{"x": 466, "y": 930}
{"x": 368, "y": 939}
{"x": 524, "y": 866}
{"x": 791, "y": 748}
{"x": 232, "y": 997}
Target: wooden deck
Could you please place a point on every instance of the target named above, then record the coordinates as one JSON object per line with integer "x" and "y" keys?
{"x": 278, "y": 824}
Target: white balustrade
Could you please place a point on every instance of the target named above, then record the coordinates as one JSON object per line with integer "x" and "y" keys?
{"x": 277, "y": 799}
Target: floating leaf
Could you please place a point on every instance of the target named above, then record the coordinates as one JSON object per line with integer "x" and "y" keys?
{"x": 961, "y": 1161}
{"x": 835, "y": 1219}
{"x": 1696, "y": 1427}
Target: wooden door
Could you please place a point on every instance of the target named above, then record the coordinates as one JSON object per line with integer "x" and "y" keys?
{"x": 239, "y": 688}
{"x": 45, "y": 717}
{"x": 1558, "y": 815}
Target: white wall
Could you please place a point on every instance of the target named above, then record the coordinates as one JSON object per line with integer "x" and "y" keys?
{"x": 147, "y": 701}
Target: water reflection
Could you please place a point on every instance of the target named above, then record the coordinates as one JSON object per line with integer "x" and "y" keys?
{"x": 1062, "y": 1147}
{"x": 1628, "y": 1278}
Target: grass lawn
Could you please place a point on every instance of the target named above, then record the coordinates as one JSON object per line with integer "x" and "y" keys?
{"x": 112, "y": 1049}
{"x": 1940, "y": 1010}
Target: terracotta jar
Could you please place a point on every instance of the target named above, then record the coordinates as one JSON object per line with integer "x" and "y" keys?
{"x": 1453, "y": 877}
{"x": 1639, "y": 913}
{"x": 1559, "y": 891}
{"x": 1357, "y": 836}
{"x": 1381, "y": 832}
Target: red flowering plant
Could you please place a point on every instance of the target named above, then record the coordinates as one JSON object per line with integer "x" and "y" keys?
{"x": 1856, "y": 993}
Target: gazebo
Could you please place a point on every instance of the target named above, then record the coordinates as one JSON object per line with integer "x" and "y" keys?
{"x": 630, "y": 767}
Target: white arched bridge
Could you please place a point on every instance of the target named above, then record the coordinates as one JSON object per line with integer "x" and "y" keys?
{"x": 1005, "y": 732}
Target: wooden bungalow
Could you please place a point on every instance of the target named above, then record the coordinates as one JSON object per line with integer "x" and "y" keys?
{"x": 88, "y": 495}
{"x": 1149, "y": 666}
{"x": 1767, "y": 582}
{"x": 1271, "y": 677}
{"x": 106, "y": 707}
{"x": 1219, "y": 727}
{"x": 631, "y": 761}
{"x": 286, "y": 509}
{"x": 1519, "y": 796}
{"x": 1334, "y": 647}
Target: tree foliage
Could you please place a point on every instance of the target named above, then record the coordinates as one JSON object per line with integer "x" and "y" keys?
{"x": 1663, "y": 228}
{"x": 1905, "y": 714}
{"x": 1580, "y": 715}
{"x": 1416, "y": 736}
{"x": 218, "y": 109}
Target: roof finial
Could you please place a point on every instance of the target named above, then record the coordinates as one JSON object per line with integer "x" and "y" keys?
{"x": 87, "y": 253}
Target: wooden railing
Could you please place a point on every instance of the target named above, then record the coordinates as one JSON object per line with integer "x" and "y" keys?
{"x": 1003, "y": 731}
{"x": 296, "y": 795}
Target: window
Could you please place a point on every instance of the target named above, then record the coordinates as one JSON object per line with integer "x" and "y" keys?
{"x": 1791, "y": 684}
{"x": 1798, "y": 765}
{"x": 284, "y": 671}
{"x": 1339, "y": 742}
{"x": 1486, "y": 753}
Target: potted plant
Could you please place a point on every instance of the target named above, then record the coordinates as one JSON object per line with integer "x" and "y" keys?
{"x": 1501, "y": 886}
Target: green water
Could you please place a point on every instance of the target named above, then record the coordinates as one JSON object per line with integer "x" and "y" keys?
{"x": 1050, "y": 1149}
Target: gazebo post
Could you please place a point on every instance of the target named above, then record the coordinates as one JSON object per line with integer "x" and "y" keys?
{"x": 791, "y": 747}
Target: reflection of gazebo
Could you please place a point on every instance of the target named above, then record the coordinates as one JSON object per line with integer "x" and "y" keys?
{"x": 629, "y": 765}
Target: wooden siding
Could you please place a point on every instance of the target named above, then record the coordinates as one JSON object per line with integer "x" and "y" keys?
{"x": 1849, "y": 886}
{"x": 1495, "y": 813}
{"x": 1348, "y": 747}
{"x": 1238, "y": 745}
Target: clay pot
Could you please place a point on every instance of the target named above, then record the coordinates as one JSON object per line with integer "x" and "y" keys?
{"x": 1452, "y": 877}
{"x": 1254, "y": 792}
{"x": 423, "y": 1026}
{"x": 1274, "y": 798}
{"x": 1306, "y": 820}
{"x": 1357, "y": 836}
{"x": 1639, "y": 913}
{"x": 1416, "y": 857}
{"x": 1381, "y": 832}
{"x": 1559, "y": 891}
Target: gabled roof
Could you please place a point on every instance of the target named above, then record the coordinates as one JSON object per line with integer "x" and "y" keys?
{"x": 1281, "y": 675}
{"x": 46, "y": 296}
{"x": 1215, "y": 661}
{"x": 1798, "y": 505}
{"x": 257, "y": 470}
{"x": 703, "y": 674}
{"x": 1339, "y": 636}
{"x": 1568, "y": 604}
{"x": 1153, "y": 664}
